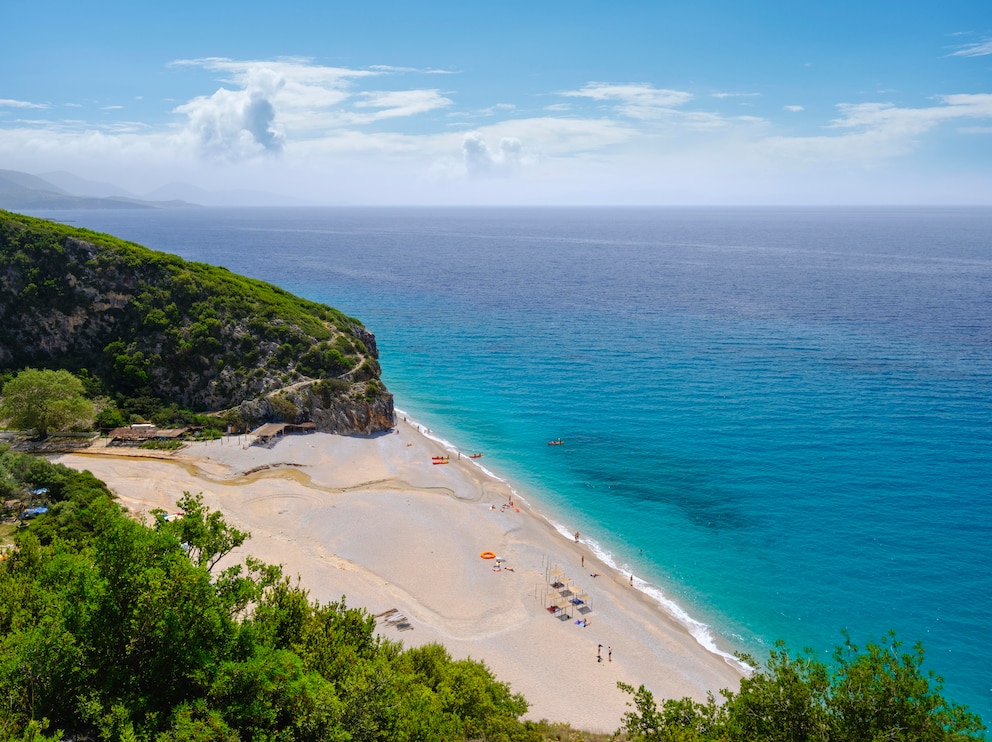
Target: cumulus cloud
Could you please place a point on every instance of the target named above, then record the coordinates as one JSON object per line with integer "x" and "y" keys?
{"x": 270, "y": 105}
{"x": 482, "y": 161}
{"x": 232, "y": 124}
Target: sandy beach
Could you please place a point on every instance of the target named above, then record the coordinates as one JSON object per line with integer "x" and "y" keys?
{"x": 375, "y": 520}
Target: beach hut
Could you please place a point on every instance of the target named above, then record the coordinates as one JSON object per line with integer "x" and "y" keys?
{"x": 581, "y": 601}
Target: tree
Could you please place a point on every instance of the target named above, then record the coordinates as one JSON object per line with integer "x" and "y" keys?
{"x": 882, "y": 692}
{"x": 878, "y": 693}
{"x": 44, "y": 401}
{"x": 205, "y": 534}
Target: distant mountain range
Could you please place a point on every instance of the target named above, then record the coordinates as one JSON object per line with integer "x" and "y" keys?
{"x": 62, "y": 190}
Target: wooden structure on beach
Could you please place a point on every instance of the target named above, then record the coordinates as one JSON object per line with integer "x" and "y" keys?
{"x": 270, "y": 431}
{"x": 563, "y": 597}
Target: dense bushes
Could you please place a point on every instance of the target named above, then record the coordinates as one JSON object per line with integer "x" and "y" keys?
{"x": 879, "y": 692}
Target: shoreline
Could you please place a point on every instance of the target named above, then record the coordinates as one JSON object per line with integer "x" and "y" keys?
{"x": 373, "y": 519}
{"x": 704, "y": 634}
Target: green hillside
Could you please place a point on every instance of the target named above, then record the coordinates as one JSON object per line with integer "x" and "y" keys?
{"x": 145, "y": 325}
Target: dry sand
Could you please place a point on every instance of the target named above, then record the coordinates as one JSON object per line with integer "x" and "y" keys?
{"x": 373, "y": 519}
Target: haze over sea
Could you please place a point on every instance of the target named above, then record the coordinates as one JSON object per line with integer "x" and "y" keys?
{"x": 778, "y": 419}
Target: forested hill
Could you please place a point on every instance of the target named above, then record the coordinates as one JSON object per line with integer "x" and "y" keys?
{"x": 145, "y": 325}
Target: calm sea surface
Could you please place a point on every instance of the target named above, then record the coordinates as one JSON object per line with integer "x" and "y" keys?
{"x": 780, "y": 420}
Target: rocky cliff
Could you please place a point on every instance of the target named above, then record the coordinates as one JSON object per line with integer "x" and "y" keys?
{"x": 143, "y": 323}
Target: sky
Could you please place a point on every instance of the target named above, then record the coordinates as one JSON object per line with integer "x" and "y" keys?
{"x": 537, "y": 103}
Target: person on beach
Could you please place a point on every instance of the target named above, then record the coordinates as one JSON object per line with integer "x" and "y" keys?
{"x": 632, "y": 580}
{"x": 609, "y": 653}
{"x": 583, "y": 562}
{"x": 576, "y": 537}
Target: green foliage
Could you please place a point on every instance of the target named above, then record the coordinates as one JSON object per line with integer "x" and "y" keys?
{"x": 283, "y": 409}
{"x": 44, "y": 401}
{"x": 160, "y": 331}
{"x": 108, "y": 415}
{"x": 880, "y": 693}
{"x": 327, "y": 389}
{"x": 372, "y": 390}
{"x": 205, "y": 535}
{"x": 118, "y": 631}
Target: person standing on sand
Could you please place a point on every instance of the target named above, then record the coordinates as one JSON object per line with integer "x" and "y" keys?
{"x": 583, "y": 562}
{"x": 609, "y": 653}
{"x": 632, "y": 580}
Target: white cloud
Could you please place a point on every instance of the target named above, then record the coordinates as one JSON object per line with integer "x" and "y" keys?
{"x": 329, "y": 132}
{"x": 639, "y": 101}
{"x": 482, "y": 161}
{"x": 498, "y": 108}
{"x": 978, "y": 49}
{"x": 287, "y": 101}
{"x": 876, "y": 131}
{"x": 426, "y": 71}
{"x": 7, "y": 102}
{"x": 913, "y": 120}
{"x": 393, "y": 104}
{"x": 232, "y": 124}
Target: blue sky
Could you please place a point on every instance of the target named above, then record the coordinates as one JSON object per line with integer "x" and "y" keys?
{"x": 536, "y": 103}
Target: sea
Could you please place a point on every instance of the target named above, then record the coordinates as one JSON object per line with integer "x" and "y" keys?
{"x": 778, "y": 420}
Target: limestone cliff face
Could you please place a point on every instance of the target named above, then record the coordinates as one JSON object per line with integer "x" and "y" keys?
{"x": 148, "y": 324}
{"x": 357, "y": 411}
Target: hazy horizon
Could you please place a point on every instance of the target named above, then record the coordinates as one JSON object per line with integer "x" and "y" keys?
{"x": 553, "y": 104}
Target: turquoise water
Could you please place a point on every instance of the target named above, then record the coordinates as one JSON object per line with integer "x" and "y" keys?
{"x": 779, "y": 420}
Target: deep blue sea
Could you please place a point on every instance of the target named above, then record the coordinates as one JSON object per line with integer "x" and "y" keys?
{"x": 780, "y": 420}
